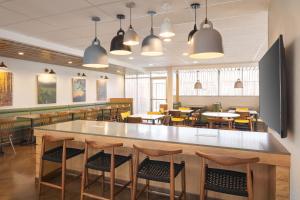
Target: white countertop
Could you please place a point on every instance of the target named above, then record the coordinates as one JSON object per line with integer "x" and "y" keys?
{"x": 242, "y": 140}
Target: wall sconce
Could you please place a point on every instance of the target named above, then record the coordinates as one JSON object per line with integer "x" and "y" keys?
{"x": 104, "y": 77}
{"x": 51, "y": 71}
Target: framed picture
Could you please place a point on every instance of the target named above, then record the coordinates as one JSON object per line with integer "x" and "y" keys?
{"x": 79, "y": 89}
{"x": 6, "y": 95}
{"x": 46, "y": 88}
{"x": 101, "y": 90}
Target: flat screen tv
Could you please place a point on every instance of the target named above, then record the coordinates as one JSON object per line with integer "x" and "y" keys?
{"x": 272, "y": 88}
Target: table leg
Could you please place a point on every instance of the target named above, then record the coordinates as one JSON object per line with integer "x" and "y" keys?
{"x": 255, "y": 124}
{"x": 153, "y": 121}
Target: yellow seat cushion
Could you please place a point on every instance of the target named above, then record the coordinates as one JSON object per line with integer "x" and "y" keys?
{"x": 124, "y": 115}
{"x": 176, "y": 119}
{"x": 242, "y": 109}
{"x": 183, "y": 108}
{"x": 153, "y": 113}
{"x": 242, "y": 121}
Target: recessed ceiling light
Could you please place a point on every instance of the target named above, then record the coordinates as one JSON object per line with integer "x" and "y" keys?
{"x": 21, "y": 53}
{"x": 131, "y": 58}
{"x": 118, "y": 71}
{"x": 70, "y": 62}
{"x": 185, "y": 54}
{"x": 151, "y": 64}
{"x": 167, "y": 39}
{"x": 195, "y": 62}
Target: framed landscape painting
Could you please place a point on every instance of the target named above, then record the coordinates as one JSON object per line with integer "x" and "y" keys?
{"x": 46, "y": 88}
{"x": 101, "y": 90}
{"x": 6, "y": 81}
{"x": 79, "y": 89}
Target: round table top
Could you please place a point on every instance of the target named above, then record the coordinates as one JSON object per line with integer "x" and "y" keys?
{"x": 221, "y": 114}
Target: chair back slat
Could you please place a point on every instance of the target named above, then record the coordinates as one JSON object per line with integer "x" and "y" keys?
{"x": 227, "y": 160}
{"x": 102, "y": 146}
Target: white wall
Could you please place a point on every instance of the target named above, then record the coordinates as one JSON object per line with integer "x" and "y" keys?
{"x": 226, "y": 101}
{"x": 284, "y": 18}
{"x": 25, "y": 83}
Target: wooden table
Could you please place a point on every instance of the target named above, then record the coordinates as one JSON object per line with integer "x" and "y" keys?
{"x": 147, "y": 117}
{"x": 186, "y": 112}
{"x": 220, "y": 114}
{"x": 271, "y": 174}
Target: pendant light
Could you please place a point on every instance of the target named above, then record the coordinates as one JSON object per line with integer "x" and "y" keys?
{"x": 198, "y": 84}
{"x": 131, "y": 38}
{"x": 206, "y": 43}
{"x": 194, "y": 6}
{"x": 166, "y": 29}
{"x": 152, "y": 45}
{"x": 95, "y": 56}
{"x": 239, "y": 83}
{"x": 116, "y": 46}
{"x": 3, "y": 66}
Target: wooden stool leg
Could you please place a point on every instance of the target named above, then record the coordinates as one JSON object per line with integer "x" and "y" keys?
{"x": 135, "y": 178}
{"x": 147, "y": 189}
{"x": 131, "y": 176}
{"x": 202, "y": 180}
{"x": 249, "y": 183}
{"x": 41, "y": 167}
{"x": 83, "y": 178}
{"x": 103, "y": 182}
{"x": 172, "y": 179}
{"x": 112, "y": 176}
{"x": 183, "y": 185}
{"x": 63, "y": 178}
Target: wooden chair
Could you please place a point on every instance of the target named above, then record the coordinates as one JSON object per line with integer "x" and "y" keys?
{"x": 244, "y": 121}
{"x": 104, "y": 162}
{"x": 91, "y": 115}
{"x": 61, "y": 117}
{"x": 176, "y": 118}
{"x": 6, "y": 132}
{"x": 155, "y": 170}
{"x": 226, "y": 181}
{"x": 220, "y": 123}
{"x": 137, "y": 120}
{"x": 198, "y": 120}
{"x": 163, "y": 108}
{"x": 113, "y": 114}
{"x": 58, "y": 154}
{"x": 166, "y": 120}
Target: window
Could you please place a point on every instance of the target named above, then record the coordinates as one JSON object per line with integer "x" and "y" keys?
{"x": 218, "y": 82}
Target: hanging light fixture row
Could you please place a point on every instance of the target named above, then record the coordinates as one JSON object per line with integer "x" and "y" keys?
{"x": 204, "y": 43}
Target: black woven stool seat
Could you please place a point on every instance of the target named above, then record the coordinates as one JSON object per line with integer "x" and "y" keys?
{"x": 55, "y": 155}
{"x": 226, "y": 181}
{"x": 157, "y": 170}
{"x": 101, "y": 161}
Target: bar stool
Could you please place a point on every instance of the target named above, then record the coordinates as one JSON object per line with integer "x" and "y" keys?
{"x": 104, "y": 162}
{"x": 155, "y": 170}
{"x": 58, "y": 154}
{"x": 6, "y": 131}
{"x": 226, "y": 181}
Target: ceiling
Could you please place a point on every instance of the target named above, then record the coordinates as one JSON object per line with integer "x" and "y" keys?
{"x": 242, "y": 23}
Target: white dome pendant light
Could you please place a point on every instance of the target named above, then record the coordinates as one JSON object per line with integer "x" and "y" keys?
{"x": 206, "y": 43}
{"x": 166, "y": 29}
{"x": 152, "y": 45}
{"x": 131, "y": 38}
{"x": 95, "y": 56}
{"x": 194, "y": 6}
{"x": 116, "y": 46}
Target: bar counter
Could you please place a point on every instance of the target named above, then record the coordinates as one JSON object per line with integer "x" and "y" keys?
{"x": 271, "y": 174}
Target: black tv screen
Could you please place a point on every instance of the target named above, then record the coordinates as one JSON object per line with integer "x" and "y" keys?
{"x": 272, "y": 88}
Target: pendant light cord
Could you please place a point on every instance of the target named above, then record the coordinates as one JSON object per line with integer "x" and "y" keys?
{"x": 152, "y": 24}
{"x": 206, "y": 20}
{"x": 130, "y": 17}
{"x": 95, "y": 29}
{"x": 195, "y": 15}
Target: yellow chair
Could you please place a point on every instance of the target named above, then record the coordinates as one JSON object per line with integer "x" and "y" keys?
{"x": 242, "y": 109}
{"x": 124, "y": 115}
{"x": 244, "y": 122}
{"x": 183, "y": 108}
{"x": 153, "y": 113}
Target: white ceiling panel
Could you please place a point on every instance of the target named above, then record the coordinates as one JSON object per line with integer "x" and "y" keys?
{"x": 242, "y": 23}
